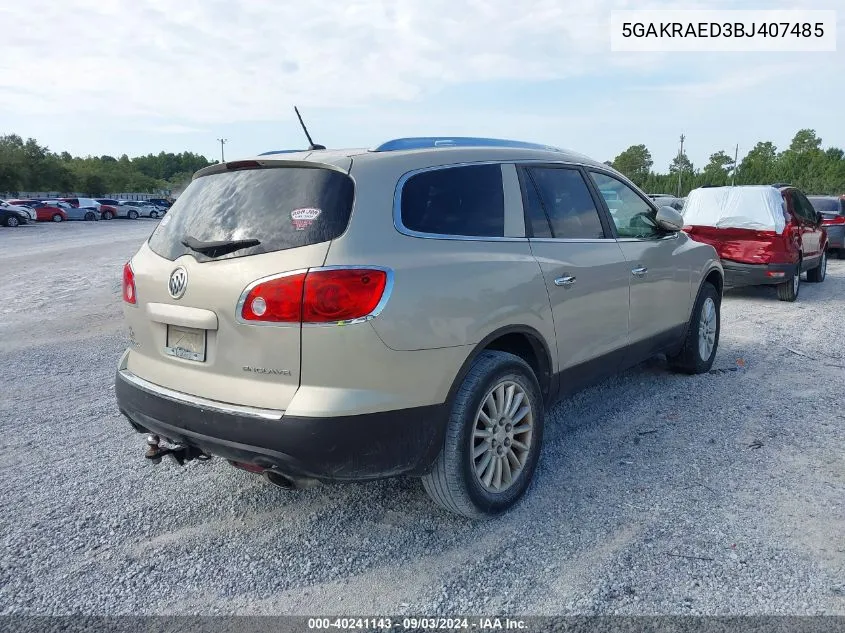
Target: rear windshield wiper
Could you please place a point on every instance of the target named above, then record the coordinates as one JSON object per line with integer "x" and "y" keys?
{"x": 217, "y": 249}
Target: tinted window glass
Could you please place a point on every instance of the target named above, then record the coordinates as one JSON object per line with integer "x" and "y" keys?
{"x": 455, "y": 201}
{"x": 283, "y": 208}
{"x": 801, "y": 207}
{"x": 631, "y": 214}
{"x": 536, "y": 222}
{"x": 825, "y": 205}
{"x": 567, "y": 203}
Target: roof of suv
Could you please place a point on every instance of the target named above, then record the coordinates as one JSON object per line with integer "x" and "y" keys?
{"x": 453, "y": 149}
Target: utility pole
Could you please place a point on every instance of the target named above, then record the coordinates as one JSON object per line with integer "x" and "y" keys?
{"x": 736, "y": 156}
{"x": 222, "y": 141}
{"x": 680, "y": 166}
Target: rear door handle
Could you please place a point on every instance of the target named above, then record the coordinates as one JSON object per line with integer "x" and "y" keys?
{"x": 639, "y": 272}
{"x": 568, "y": 280}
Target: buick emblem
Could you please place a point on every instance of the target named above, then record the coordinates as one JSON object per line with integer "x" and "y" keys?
{"x": 178, "y": 283}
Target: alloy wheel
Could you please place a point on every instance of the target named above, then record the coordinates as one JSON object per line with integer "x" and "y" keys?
{"x": 501, "y": 437}
{"x": 707, "y": 329}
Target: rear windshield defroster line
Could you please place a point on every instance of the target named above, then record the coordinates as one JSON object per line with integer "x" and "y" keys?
{"x": 280, "y": 208}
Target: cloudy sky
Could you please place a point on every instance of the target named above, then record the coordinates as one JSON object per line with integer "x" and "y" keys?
{"x": 138, "y": 76}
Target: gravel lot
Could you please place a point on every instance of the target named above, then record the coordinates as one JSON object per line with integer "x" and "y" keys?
{"x": 657, "y": 493}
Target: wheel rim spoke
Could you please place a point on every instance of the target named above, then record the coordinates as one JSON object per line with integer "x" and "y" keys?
{"x": 490, "y": 401}
{"x": 516, "y": 464}
{"x": 508, "y": 398}
{"x": 516, "y": 444}
{"x": 506, "y": 466}
{"x": 520, "y": 415}
{"x": 482, "y": 466}
{"x": 487, "y": 478}
{"x": 515, "y": 405}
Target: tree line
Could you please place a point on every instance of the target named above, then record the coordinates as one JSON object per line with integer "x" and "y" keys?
{"x": 30, "y": 166}
{"x": 803, "y": 164}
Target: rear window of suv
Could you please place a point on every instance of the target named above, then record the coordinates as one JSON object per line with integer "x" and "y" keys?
{"x": 828, "y": 206}
{"x": 460, "y": 201}
{"x": 281, "y": 207}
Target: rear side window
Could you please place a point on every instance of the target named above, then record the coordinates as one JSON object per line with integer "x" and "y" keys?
{"x": 463, "y": 201}
{"x": 282, "y": 208}
{"x": 565, "y": 204}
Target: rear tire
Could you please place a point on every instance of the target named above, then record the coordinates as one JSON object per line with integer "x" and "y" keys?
{"x": 107, "y": 215}
{"x": 788, "y": 291}
{"x": 90, "y": 216}
{"x": 12, "y": 221}
{"x": 817, "y": 274}
{"x": 702, "y": 338}
{"x": 133, "y": 215}
{"x": 493, "y": 438}
{"x": 154, "y": 214}
{"x": 57, "y": 218}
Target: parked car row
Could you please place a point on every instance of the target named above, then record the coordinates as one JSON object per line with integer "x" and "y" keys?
{"x": 22, "y": 211}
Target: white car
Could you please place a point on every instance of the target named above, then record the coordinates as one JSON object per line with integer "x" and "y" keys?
{"x": 28, "y": 211}
{"x": 132, "y": 209}
{"x": 148, "y": 209}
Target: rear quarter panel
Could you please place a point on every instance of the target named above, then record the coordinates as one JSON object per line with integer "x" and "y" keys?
{"x": 446, "y": 292}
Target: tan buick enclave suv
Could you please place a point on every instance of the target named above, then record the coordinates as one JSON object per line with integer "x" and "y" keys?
{"x": 409, "y": 310}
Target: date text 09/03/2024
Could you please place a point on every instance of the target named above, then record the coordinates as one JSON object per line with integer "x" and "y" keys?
{"x": 417, "y": 624}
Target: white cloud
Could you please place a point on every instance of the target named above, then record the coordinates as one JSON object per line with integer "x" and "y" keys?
{"x": 248, "y": 60}
{"x": 364, "y": 70}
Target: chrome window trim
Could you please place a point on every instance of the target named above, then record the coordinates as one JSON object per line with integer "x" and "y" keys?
{"x": 397, "y": 199}
{"x": 385, "y": 297}
{"x": 574, "y": 240}
{"x": 672, "y": 236}
{"x": 204, "y": 403}
{"x": 397, "y": 205}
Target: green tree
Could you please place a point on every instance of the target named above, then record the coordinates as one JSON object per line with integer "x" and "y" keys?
{"x": 681, "y": 163}
{"x": 635, "y": 162}
{"x": 759, "y": 166}
{"x": 717, "y": 170}
{"x": 804, "y": 141}
{"x": 94, "y": 185}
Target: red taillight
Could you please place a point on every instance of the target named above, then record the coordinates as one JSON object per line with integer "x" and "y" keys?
{"x": 129, "y": 294}
{"x": 839, "y": 219}
{"x": 342, "y": 294}
{"x": 319, "y": 296}
{"x": 275, "y": 300}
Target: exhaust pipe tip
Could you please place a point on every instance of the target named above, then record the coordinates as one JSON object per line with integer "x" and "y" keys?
{"x": 280, "y": 480}
{"x": 288, "y": 483}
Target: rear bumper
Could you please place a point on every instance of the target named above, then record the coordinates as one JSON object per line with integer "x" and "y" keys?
{"x": 348, "y": 448}
{"x": 737, "y": 274}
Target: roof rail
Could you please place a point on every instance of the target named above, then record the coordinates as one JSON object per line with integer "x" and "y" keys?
{"x": 426, "y": 142}
{"x": 284, "y": 151}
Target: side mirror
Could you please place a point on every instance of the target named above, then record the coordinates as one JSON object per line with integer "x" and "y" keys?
{"x": 669, "y": 220}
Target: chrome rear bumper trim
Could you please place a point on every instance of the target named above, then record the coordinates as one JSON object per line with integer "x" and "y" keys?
{"x": 196, "y": 401}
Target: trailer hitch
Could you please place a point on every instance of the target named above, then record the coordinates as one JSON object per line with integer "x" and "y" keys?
{"x": 181, "y": 453}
